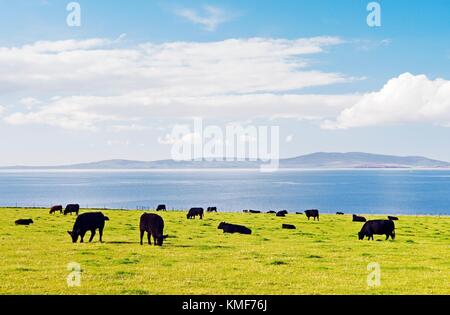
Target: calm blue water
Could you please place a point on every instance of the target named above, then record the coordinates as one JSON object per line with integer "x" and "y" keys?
{"x": 359, "y": 191}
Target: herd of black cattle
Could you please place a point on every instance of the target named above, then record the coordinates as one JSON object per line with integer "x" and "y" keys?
{"x": 153, "y": 224}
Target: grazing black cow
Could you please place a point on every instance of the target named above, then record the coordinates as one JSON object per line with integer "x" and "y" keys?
{"x": 392, "y": 218}
{"x": 161, "y": 208}
{"x": 281, "y": 214}
{"x": 271, "y": 212}
{"x": 357, "y": 218}
{"x": 90, "y": 221}
{"x": 299, "y": 213}
{"x": 72, "y": 208}
{"x": 255, "y": 211}
{"x": 233, "y": 228}
{"x": 211, "y": 209}
{"x": 288, "y": 226}
{"x": 193, "y": 212}
{"x": 56, "y": 209}
{"x": 379, "y": 227}
{"x": 312, "y": 213}
{"x": 24, "y": 222}
{"x": 153, "y": 224}
{"x": 340, "y": 213}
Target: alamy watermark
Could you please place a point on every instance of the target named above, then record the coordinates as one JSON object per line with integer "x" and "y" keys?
{"x": 74, "y": 17}
{"x": 374, "y": 17}
{"x": 234, "y": 142}
{"x": 374, "y": 276}
{"x": 74, "y": 277}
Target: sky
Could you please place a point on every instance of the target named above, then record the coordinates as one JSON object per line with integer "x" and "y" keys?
{"x": 117, "y": 85}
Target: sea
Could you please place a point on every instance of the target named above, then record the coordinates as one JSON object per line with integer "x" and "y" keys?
{"x": 382, "y": 191}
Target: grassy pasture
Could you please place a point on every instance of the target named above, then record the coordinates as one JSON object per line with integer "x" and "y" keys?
{"x": 317, "y": 258}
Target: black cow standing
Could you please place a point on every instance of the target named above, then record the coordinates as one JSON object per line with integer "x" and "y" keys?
{"x": 161, "y": 208}
{"x": 71, "y": 209}
{"x": 56, "y": 209}
{"x": 90, "y": 221}
{"x": 288, "y": 227}
{"x": 211, "y": 209}
{"x": 233, "y": 228}
{"x": 357, "y": 218}
{"x": 312, "y": 213}
{"x": 153, "y": 224}
{"x": 193, "y": 212}
{"x": 379, "y": 227}
{"x": 24, "y": 222}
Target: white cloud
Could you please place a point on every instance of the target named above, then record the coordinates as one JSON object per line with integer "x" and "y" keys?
{"x": 405, "y": 99}
{"x": 211, "y": 18}
{"x": 89, "y": 84}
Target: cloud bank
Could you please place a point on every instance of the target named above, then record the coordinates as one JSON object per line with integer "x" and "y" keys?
{"x": 87, "y": 84}
{"x": 406, "y": 99}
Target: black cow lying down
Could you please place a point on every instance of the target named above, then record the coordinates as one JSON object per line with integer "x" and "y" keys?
{"x": 392, "y": 218}
{"x": 288, "y": 226}
{"x": 153, "y": 224}
{"x": 340, "y": 213}
{"x": 299, "y": 213}
{"x": 378, "y": 227}
{"x": 24, "y": 222}
{"x": 357, "y": 218}
{"x": 271, "y": 212}
{"x": 233, "y": 228}
{"x": 254, "y": 211}
{"x": 90, "y": 221}
{"x": 281, "y": 214}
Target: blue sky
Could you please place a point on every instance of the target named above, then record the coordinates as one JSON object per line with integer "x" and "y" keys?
{"x": 86, "y": 117}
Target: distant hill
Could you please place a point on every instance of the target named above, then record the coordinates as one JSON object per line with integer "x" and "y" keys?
{"x": 321, "y": 160}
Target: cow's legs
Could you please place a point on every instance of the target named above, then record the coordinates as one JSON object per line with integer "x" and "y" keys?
{"x": 142, "y": 236}
{"x": 100, "y": 231}
{"x": 149, "y": 238}
{"x": 82, "y": 236}
{"x": 92, "y": 236}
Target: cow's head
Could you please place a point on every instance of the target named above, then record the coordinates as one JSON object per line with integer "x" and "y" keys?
{"x": 73, "y": 235}
{"x": 160, "y": 239}
{"x": 361, "y": 236}
{"x": 220, "y": 227}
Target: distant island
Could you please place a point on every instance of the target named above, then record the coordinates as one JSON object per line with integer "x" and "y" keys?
{"x": 320, "y": 160}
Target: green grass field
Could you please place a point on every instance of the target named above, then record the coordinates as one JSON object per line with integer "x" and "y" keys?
{"x": 318, "y": 258}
